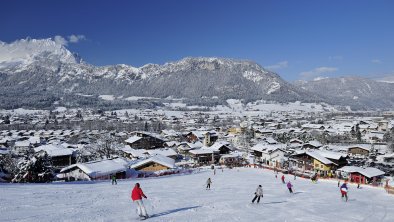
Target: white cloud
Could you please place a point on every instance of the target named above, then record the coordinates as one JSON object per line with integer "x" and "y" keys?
{"x": 70, "y": 39}
{"x": 317, "y": 72}
{"x": 60, "y": 40}
{"x": 376, "y": 61}
{"x": 76, "y": 38}
{"x": 279, "y": 65}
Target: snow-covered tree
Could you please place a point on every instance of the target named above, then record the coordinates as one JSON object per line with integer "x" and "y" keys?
{"x": 34, "y": 169}
{"x": 8, "y": 166}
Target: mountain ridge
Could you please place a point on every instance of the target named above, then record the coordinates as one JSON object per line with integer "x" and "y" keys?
{"x": 48, "y": 72}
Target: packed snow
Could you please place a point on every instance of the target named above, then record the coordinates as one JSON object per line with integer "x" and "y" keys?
{"x": 107, "y": 97}
{"x": 184, "y": 198}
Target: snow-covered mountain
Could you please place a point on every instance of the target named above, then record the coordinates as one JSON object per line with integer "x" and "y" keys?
{"x": 46, "y": 71}
{"x": 41, "y": 73}
{"x": 20, "y": 54}
{"x": 356, "y": 92}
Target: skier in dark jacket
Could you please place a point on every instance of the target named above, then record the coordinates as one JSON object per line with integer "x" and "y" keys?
{"x": 258, "y": 194}
{"x": 209, "y": 182}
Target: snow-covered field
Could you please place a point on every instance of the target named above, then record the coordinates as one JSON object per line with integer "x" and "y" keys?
{"x": 184, "y": 198}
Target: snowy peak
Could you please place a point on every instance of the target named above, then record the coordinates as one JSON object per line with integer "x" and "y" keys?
{"x": 24, "y": 52}
{"x": 354, "y": 91}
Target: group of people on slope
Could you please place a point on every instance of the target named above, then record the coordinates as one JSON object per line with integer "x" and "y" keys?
{"x": 259, "y": 191}
{"x": 137, "y": 194}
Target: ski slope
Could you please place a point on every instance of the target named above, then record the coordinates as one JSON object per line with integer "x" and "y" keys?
{"x": 184, "y": 198}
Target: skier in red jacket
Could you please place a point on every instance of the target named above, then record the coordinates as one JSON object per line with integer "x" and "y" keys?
{"x": 283, "y": 179}
{"x": 136, "y": 196}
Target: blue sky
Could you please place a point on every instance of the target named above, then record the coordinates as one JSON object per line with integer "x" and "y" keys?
{"x": 296, "y": 39}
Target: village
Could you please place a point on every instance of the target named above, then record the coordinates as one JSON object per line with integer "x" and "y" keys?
{"x": 73, "y": 145}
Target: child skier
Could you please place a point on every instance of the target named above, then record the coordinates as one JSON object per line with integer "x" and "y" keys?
{"x": 289, "y": 186}
{"x": 136, "y": 196}
{"x": 344, "y": 190}
{"x": 114, "y": 180}
{"x": 258, "y": 194}
{"x": 209, "y": 184}
{"x": 283, "y": 179}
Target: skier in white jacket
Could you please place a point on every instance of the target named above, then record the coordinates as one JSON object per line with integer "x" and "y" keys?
{"x": 258, "y": 194}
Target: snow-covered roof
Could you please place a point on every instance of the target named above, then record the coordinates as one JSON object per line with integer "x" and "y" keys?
{"x": 170, "y": 133}
{"x": 362, "y": 146}
{"x": 54, "y": 150}
{"x": 35, "y": 140}
{"x": 368, "y": 171}
{"x": 317, "y": 156}
{"x": 331, "y": 154}
{"x": 295, "y": 140}
{"x": 25, "y": 143}
{"x": 133, "y": 139}
{"x": 200, "y": 134}
{"x": 201, "y": 151}
{"x": 160, "y": 159}
{"x": 172, "y": 143}
{"x": 218, "y": 144}
{"x": 263, "y": 147}
{"x": 164, "y": 152}
{"x": 271, "y": 140}
{"x": 314, "y": 143}
{"x": 232, "y": 155}
{"x": 100, "y": 168}
{"x": 191, "y": 146}
{"x": 312, "y": 126}
{"x": 135, "y": 152}
{"x": 154, "y": 135}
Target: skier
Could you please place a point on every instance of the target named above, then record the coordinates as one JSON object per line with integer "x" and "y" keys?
{"x": 344, "y": 190}
{"x": 258, "y": 194}
{"x": 295, "y": 176}
{"x": 283, "y": 179}
{"x": 358, "y": 186}
{"x": 214, "y": 172}
{"x": 339, "y": 181}
{"x": 136, "y": 196}
{"x": 289, "y": 186}
{"x": 209, "y": 183}
{"x": 314, "y": 178}
{"x": 114, "y": 180}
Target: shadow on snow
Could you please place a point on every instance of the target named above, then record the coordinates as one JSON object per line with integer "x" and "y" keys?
{"x": 173, "y": 211}
{"x": 275, "y": 202}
